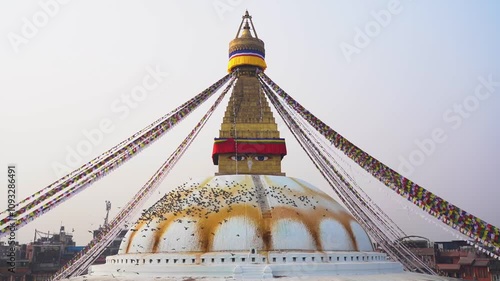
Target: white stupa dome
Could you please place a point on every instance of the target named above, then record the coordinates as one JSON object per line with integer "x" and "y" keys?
{"x": 245, "y": 212}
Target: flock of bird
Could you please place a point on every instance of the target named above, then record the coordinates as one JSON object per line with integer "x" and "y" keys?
{"x": 193, "y": 202}
{"x": 200, "y": 202}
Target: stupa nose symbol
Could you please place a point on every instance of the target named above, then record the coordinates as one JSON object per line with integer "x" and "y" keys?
{"x": 250, "y": 163}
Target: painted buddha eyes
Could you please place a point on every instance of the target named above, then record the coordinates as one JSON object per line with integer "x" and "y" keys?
{"x": 261, "y": 157}
{"x": 244, "y": 157}
{"x": 238, "y": 157}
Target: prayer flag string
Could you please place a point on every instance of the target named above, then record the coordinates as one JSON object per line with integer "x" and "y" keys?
{"x": 47, "y": 198}
{"x": 448, "y": 213}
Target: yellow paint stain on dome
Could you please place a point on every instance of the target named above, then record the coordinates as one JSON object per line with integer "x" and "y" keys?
{"x": 210, "y": 204}
{"x": 163, "y": 227}
{"x": 312, "y": 219}
{"x": 209, "y": 228}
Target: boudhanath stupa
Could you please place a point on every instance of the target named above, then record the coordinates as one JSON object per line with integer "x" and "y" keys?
{"x": 249, "y": 221}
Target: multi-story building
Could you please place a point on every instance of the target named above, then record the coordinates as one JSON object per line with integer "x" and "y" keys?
{"x": 39, "y": 260}
{"x": 461, "y": 260}
{"x": 17, "y": 271}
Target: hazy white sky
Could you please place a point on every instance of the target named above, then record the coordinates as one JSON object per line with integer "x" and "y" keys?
{"x": 385, "y": 74}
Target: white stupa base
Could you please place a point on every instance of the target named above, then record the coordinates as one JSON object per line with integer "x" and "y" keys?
{"x": 244, "y": 265}
{"x": 403, "y": 276}
{"x": 251, "y": 271}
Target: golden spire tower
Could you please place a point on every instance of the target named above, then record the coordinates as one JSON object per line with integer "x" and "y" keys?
{"x": 249, "y": 141}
